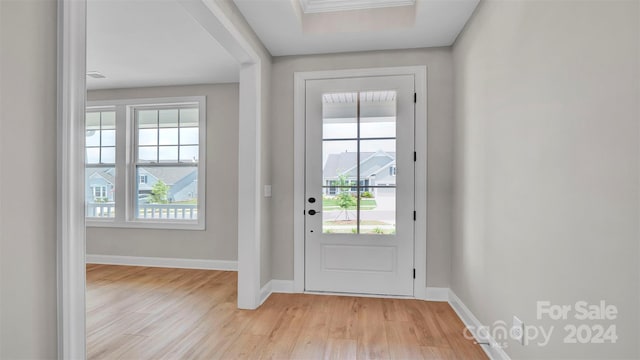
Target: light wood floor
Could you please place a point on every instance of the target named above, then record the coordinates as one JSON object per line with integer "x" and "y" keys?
{"x": 159, "y": 313}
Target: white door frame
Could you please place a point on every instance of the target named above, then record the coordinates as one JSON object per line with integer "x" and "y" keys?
{"x": 420, "y": 254}
{"x": 70, "y": 163}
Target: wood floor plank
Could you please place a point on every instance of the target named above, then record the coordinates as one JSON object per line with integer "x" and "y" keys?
{"x": 344, "y": 318}
{"x": 402, "y": 340}
{"x": 438, "y": 353}
{"x": 372, "y": 335}
{"x": 338, "y": 349}
{"x": 312, "y": 340}
{"x": 158, "y": 313}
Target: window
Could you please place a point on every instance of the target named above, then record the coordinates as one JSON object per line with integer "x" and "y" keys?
{"x": 161, "y": 148}
{"x": 167, "y": 150}
{"x": 100, "y": 155}
{"x": 99, "y": 193}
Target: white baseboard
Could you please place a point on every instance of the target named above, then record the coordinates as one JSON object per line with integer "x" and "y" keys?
{"x": 436, "y": 294}
{"x": 204, "y": 264}
{"x": 282, "y": 286}
{"x": 265, "y": 292}
{"x": 275, "y": 286}
{"x": 493, "y": 350}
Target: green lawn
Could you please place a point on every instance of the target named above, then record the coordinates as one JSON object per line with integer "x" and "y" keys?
{"x": 329, "y": 204}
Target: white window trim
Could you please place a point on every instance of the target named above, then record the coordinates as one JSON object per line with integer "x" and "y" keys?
{"x": 125, "y": 164}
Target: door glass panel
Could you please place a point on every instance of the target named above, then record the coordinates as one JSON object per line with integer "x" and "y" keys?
{"x": 340, "y": 116}
{"x": 339, "y": 159}
{"x": 375, "y": 157}
{"x": 339, "y": 211}
{"x": 359, "y": 163}
{"x": 378, "y": 114}
{"x": 378, "y": 211}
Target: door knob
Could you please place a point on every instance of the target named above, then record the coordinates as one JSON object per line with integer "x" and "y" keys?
{"x": 312, "y": 212}
{"x": 312, "y": 200}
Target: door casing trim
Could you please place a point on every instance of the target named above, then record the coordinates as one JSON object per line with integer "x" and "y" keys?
{"x": 420, "y": 245}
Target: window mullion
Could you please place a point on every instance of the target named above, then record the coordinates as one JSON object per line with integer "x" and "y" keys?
{"x": 100, "y": 139}
{"x": 179, "y": 135}
{"x": 120, "y": 165}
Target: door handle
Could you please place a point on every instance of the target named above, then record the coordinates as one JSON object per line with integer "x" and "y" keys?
{"x": 312, "y": 212}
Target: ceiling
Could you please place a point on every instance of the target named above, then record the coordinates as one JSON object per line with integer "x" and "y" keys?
{"x": 152, "y": 43}
{"x": 157, "y": 43}
{"x": 285, "y": 29}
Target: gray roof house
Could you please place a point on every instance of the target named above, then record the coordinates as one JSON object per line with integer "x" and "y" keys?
{"x": 377, "y": 168}
{"x": 101, "y": 185}
{"x": 182, "y": 182}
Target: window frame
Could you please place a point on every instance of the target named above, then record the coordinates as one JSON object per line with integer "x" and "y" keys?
{"x": 126, "y": 175}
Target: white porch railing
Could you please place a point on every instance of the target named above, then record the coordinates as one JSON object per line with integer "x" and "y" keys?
{"x": 101, "y": 210}
{"x": 168, "y": 211}
{"x": 147, "y": 211}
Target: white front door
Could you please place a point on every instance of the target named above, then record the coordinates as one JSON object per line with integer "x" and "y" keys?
{"x": 359, "y": 185}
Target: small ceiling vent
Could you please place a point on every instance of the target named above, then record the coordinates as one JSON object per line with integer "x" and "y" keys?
{"x": 96, "y": 75}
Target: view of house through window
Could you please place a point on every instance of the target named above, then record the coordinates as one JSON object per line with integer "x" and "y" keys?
{"x": 166, "y": 156}
{"x": 359, "y": 162}
{"x": 167, "y": 159}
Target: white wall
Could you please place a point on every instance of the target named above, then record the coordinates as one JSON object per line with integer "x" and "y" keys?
{"x": 547, "y": 96}
{"x": 28, "y": 324}
{"x": 440, "y": 148}
{"x": 220, "y": 239}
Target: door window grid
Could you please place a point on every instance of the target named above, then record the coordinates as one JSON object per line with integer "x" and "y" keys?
{"x": 359, "y": 186}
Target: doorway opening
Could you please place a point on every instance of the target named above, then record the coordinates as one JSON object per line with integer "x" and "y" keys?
{"x": 71, "y": 158}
